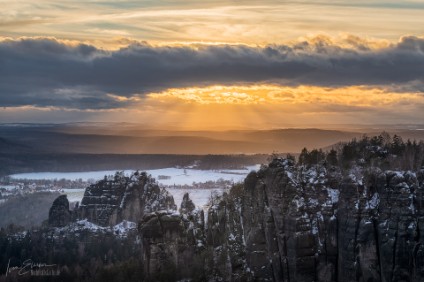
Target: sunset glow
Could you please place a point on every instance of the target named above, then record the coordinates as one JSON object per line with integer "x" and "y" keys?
{"x": 179, "y": 63}
{"x": 289, "y": 96}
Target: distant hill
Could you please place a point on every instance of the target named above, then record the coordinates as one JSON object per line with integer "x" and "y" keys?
{"x": 105, "y": 146}
{"x": 116, "y": 140}
{"x": 7, "y": 146}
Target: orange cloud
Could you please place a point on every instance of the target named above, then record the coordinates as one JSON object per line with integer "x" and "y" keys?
{"x": 357, "y": 96}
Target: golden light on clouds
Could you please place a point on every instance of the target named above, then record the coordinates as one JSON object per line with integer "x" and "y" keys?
{"x": 239, "y": 61}
{"x": 355, "y": 96}
{"x": 115, "y": 42}
{"x": 247, "y": 107}
{"x": 270, "y": 106}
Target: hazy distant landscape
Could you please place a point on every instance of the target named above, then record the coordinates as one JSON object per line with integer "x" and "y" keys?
{"x": 111, "y": 138}
{"x": 127, "y": 138}
{"x": 117, "y": 146}
{"x": 218, "y": 141}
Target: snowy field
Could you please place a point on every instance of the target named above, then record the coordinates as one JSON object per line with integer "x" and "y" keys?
{"x": 175, "y": 176}
{"x": 9, "y": 187}
{"x": 200, "y": 197}
{"x": 74, "y": 195}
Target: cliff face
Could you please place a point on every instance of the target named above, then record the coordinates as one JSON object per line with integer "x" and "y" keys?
{"x": 292, "y": 214}
{"x": 286, "y": 222}
{"x": 293, "y": 223}
{"x": 320, "y": 226}
{"x": 59, "y": 213}
{"x": 172, "y": 245}
{"x": 113, "y": 200}
{"x": 118, "y": 198}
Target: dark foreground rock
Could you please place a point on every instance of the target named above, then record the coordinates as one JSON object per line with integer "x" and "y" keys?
{"x": 59, "y": 213}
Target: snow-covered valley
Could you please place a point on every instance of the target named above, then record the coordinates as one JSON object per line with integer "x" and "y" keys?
{"x": 177, "y": 181}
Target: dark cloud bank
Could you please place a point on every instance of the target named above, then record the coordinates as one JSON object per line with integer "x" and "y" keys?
{"x": 46, "y": 72}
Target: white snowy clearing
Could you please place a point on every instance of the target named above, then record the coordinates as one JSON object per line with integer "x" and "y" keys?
{"x": 178, "y": 176}
{"x": 200, "y": 197}
{"x": 74, "y": 195}
{"x": 174, "y": 176}
{"x": 8, "y": 187}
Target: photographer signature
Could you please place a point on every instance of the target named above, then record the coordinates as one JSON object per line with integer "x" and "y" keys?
{"x": 27, "y": 266}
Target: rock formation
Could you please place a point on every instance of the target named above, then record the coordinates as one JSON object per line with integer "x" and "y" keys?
{"x": 173, "y": 242}
{"x": 59, "y": 214}
{"x": 299, "y": 223}
{"x": 113, "y": 200}
{"x": 287, "y": 222}
{"x": 187, "y": 204}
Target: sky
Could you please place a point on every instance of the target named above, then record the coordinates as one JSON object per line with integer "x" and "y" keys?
{"x": 212, "y": 64}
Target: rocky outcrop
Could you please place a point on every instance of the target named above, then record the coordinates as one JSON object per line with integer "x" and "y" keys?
{"x": 118, "y": 198}
{"x": 300, "y": 223}
{"x": 287, "y": 222}
{"x": 59, "y": 214}
{"x": 113, "y": 200}
{"x": 173, "y": 243}
{"x": 314, "y": 224}
{"x": 187, "y": 204}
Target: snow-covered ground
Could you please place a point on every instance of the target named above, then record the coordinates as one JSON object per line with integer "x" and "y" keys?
{"x": 178, "y": 176}
{"x": 200, "y": 197}
{"x": 188, "y": 176}
{"x": 9, "y": 187}
{"x": 121, "y": 229}
{"x": 74, "y": 195}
